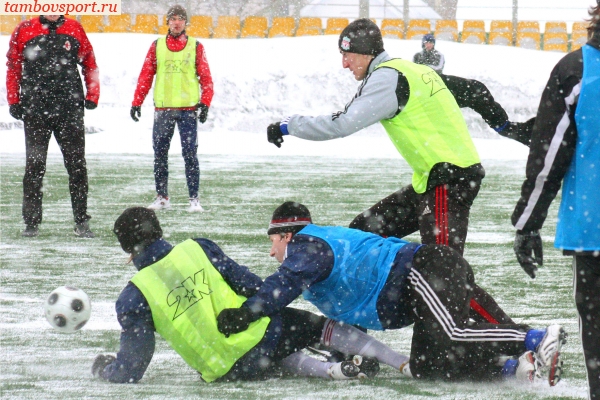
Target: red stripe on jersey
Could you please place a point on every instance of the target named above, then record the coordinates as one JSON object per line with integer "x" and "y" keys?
{"x": 441, "y": 215}
{"x": 481, "y": 311}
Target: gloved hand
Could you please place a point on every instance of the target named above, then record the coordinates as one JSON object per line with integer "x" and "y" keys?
{"x": 203, "y": 112}
{"x": 527, "y": 245}
{"x": 136, "y": 113}
{"x": 16, "y": 111}
{"x": 234, "y": 320}
{"x": 100, "y": 363}
{"x": 274, "y": 134}
{"x": 90, "y": 105}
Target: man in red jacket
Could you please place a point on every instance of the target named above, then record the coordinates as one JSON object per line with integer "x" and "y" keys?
{"x": 179, "y": 63}
{"x": 44, "y": 90}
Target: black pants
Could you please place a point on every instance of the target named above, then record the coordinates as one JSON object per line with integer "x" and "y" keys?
{"x": 586, "y": 271}
{"x": 446, "y": 343}
{"x": 70, "y": 136}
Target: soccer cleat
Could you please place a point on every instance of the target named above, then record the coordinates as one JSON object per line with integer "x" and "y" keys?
{"x": 547, "y": 353}
{"x": 30, "y": 231}
{"x": 357, "y": 368}
{"x": 83, "y": 230}
{"x": 555, "y": 372}
{"x": 195, "y": 205}
{"x": 526, "y": 368}
{"x": 160, "y": 203}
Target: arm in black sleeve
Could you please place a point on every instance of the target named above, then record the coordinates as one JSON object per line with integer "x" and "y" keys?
{"x": 552, "y": 144}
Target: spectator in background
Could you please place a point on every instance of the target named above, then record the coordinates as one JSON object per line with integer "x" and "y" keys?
{"x": 178, "y": 99}
{"x": 44, "y": 89}
{"x": 429, "y": 55}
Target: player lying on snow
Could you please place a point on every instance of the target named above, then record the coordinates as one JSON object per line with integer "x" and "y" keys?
{"x": 363, "y": 279}
{"x": 179, "y": 291}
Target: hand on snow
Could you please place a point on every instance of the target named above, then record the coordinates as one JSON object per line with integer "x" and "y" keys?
{"x": 16, "y": 111}
{"x": 203, "y": 112}
{"x": 526, "y": 246}
{"x": 274, "y": 134}
{"x": 90, "y": 105}
{"x": 136, "y": 113}
{"x": 234, "y": 320}
{"x": 100, "y": 363}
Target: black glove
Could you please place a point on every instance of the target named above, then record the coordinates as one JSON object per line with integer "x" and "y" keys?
{"x": 274, "y": 134}
{"x": 90, "y": 105}
{"x": 100, "y": 362}
{"x": 16, "y": 111}
{"x": 203, "y": 114}
{"x": 136, "y": 113}
{"x": 528, "y": 244}
{"x": 234, "y": 320}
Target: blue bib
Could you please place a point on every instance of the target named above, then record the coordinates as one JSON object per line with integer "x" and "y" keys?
{"x": 579, "y": 213}
{"x": 361, "y": 267}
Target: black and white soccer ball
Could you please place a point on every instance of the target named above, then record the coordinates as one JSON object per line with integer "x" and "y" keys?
{"x": 67, "y": 309}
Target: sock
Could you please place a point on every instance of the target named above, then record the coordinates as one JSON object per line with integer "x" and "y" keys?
{"x": 348, "y": 339}
{"x": 533, "y": 338}
{"x": 510, "y": 368}
{"x": 300, "y": 364}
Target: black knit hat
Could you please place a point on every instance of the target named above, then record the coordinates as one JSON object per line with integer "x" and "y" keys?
{"x": 289, "y": 217}
{"x": 177, "y": 10}
{"x": 362, "y": 37}
{"x": 137, "y": 228}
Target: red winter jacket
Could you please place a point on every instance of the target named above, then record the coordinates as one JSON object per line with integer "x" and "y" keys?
{"x": 42, "y": 71}
{"x": 149, "y": 70}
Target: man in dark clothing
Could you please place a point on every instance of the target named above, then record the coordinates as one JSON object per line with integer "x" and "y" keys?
{"x": 44, "y": 90}
{"x": 178, "y": 292}
{"x": 362, "y": 279}
{"x": 565, "y": 147}
{"x": 429, "y": 55}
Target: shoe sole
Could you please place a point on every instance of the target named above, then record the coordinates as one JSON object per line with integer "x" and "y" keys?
{"x": 555, "y": 369}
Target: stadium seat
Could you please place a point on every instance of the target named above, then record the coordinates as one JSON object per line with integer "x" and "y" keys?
{"x": 579, "y": 35}
{"x": 145, "y": 23}
{"x": 446, "y": 30}
{"x": 309, "y": 26}
{"x": 528, "y": 26}
{"x": 228, "y": 27}
{"x": 392, "y": 28}
{"x": 555, "y": 27}
{"x": 200, "y": 26}
{"x": 118, "y": 24}
{"x": 528, "y": 40}
{"x": 254, "y": 27}
{"x": 92, "y": 23}
{"x": 335, "y": 26}
{"x": 473, "y": 31}
{"x": 500, "y": 38}
{"x": 8, "y": 23}
{"x": 417, "y": 28}
{"x": 556, "y": 42}
{"x": 282, "y": 27}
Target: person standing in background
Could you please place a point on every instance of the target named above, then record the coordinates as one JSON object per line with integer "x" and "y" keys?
{"x": 429, "y": 55}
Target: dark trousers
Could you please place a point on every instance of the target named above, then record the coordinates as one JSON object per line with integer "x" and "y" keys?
{"x": 70, "y": 136}
{"x": 441, "y": 215}
{"x": 586, "y": 271}
{"x": 446, "y": 343}
{"x": 162, "y": 133}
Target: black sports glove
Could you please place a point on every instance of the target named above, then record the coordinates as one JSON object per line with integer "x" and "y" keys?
{"x": 90, "y": 105}
{"x": 203, "y": 114}
{"x": 528, "y": 244}
{"x": 234, "y": 320}
{"x": 16, "y": 111}
{"x": 100, "y": 362}
{"x": 136, "y": 113}
{"x": 274, "y": 134}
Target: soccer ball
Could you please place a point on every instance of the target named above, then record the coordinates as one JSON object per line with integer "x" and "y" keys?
{"x": 67, "y": 309}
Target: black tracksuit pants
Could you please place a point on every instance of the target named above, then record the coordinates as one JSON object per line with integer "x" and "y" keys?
{"x": 70, "y": 136}
{"x": 446, "y": 343}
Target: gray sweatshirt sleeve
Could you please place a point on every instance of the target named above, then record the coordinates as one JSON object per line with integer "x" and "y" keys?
{"x": 375, "y": 100}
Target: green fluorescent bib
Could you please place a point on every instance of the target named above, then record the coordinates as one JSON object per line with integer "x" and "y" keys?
{"x": 176, "y": 84}
{"x": 186, "y": 293}
{"x": 431, "y": 128}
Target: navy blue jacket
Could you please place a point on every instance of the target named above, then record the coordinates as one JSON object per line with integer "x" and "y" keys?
{"x": 135, "y": 317}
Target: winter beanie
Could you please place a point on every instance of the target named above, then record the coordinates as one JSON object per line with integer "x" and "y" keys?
{"x": 289, "y": 217}
{"x": 361, "y": 37}
{"x": 137, "y": 228}
{"x": 427, "y": 38}
{"x": 177, "y": 10}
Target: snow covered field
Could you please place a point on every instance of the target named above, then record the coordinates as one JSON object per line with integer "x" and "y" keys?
{"x": 256, "y": 82}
